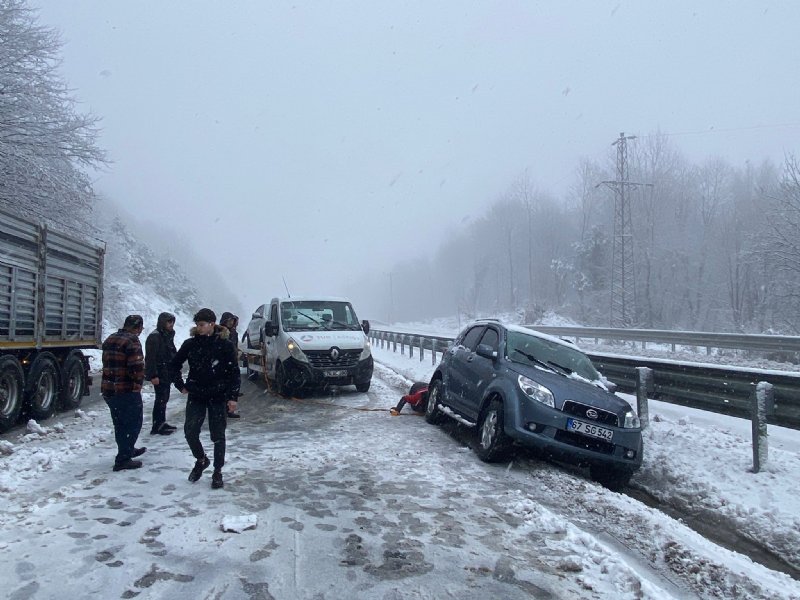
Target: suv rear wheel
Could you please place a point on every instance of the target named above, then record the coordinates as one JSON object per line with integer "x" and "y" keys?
{"x": 493, "y": 443}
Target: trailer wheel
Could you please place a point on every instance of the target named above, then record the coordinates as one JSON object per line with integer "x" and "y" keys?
{"x": 73, "y": 374}
{"x": 43, "y": 386}
{"x": 11, "y": 387}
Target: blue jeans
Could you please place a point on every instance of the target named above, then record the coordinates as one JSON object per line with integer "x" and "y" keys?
{"x": 127, "y": 415}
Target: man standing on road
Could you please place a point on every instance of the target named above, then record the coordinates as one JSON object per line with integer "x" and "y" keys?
{"x": 160, "y": 350}
{"x": 123, "y": 374}
{"x": 230, "y": 321}
{"x": 213, "y": 387}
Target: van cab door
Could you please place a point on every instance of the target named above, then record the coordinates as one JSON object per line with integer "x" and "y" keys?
{"x": 271, "y": 341}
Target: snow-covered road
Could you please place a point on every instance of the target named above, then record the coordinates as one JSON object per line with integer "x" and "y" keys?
{"x": 349, "y": 504}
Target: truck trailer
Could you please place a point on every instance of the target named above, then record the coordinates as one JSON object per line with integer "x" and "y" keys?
{"x": 51, "y": 297}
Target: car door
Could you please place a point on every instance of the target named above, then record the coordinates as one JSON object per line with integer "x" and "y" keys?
{"x": 271, "y": 342}
{"x": 254, "y": 326}
{"x": 479, "y": 373}
{"x": 460, "y": 366}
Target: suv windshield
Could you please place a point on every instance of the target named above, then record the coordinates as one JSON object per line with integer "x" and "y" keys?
{"x": 313, "y": 315}
{"x": 536, "y": 351}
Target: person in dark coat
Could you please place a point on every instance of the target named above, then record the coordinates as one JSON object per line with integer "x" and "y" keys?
{"x": 230, "y": 321}
{"x": 159, "y": 352}
{"x": 213, "y": 387}
{"x": 123, "y": 374}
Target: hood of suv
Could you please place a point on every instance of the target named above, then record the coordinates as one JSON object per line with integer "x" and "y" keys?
{"x": 324, "y": 340}
{"x": 578, "y": 390}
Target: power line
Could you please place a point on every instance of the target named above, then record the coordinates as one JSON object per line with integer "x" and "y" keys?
{"x": 723, "y": 130}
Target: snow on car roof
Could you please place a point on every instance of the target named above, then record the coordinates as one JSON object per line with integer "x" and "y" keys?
{"x": 539, "y": 334}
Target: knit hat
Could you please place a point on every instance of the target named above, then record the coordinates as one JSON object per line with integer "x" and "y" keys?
{"x": 205, "y": 314}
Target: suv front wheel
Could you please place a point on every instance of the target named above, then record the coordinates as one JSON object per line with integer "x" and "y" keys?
{"x": 493, "y": 443}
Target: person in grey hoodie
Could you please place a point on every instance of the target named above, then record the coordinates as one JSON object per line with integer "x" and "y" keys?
{"x": 159, "y": 352}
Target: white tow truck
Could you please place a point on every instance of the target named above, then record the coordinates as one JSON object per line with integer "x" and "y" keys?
{"x": 308, "y": 343}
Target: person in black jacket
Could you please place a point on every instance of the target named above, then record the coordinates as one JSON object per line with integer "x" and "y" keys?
{"x": 213, "y": 387}
{"x": 230, "y": 321}
{"x": 159, "y": 352}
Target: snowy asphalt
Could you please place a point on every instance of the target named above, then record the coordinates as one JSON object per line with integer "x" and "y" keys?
{"x": 350, "y": 504}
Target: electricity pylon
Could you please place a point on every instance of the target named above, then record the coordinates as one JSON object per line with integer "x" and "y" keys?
{"x": 623, "y": 286}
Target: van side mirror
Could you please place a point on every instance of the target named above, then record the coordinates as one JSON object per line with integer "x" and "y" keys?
{"x": 365, "y": 326}
{"x": 255, "y": 316}
{"x": 486, "y": 351}
{"x": 270, "y": 329}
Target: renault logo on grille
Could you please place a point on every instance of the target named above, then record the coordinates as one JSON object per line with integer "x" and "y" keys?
{"x": 335, "y": 353}
{"x": 591, "y": 413}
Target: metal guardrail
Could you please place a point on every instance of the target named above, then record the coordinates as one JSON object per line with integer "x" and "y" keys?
{"x": 724, "y": 390}
{"x": 737, "y": 341}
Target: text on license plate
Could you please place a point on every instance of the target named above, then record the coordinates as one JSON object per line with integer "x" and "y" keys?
{"x": 590, "y": 429}
{"x": 339, "y": 373}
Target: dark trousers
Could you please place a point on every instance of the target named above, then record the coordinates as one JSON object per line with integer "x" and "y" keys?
{"x": 217, "y": 420}
{"x": 127, "y": 414}
{"x": 160, "y": 405}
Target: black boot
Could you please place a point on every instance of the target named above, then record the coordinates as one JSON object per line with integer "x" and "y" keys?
{"x": 198, "y": 468}
{"x": 216, "y": 480}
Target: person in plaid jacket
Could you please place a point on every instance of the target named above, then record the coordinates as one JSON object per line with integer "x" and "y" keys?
{"x": 123, "y": 374}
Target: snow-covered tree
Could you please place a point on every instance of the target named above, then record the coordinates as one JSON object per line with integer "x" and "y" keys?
{"x": 45, "y": 142}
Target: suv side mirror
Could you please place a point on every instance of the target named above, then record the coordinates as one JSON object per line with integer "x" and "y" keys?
{"x": 486, "y": 351}
{"x": 365, "y": 326}
{"x": 256, "y": 316}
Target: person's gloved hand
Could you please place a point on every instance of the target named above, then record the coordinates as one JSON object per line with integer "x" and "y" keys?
{"x": 394, "y": 412}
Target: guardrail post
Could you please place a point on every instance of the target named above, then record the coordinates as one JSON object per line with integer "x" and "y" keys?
{"x": 433, "y": 352}
{"x": 411, "y": 346}
{"x": 763, "y": 398}
{"x": 644, "y": 385}
{"x": 394, "y": 342}
{"x": 421, "y": 348}
{"x": 402, "y": 344}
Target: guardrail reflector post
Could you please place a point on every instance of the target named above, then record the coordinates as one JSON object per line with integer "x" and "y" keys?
{"x": 763, "y": 397}
{"x": 644, "y": 385}
{"x": 433, "y": 352}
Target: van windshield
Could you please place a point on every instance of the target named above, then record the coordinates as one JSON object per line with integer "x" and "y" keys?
{"x": 314, "y": 315}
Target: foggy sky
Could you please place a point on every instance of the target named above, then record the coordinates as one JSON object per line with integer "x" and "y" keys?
{"x": 319, "y": 141}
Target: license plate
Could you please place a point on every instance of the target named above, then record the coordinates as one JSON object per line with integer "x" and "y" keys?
{"x": 342, "y": 373}
{"x": 590, "y": 429}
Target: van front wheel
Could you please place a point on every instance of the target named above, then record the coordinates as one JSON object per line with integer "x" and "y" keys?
{"x": 281, "y": 381}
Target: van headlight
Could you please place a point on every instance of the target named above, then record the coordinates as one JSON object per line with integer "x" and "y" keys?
{"x": 294, "y": 351}
{"x": 367, "y": 351}
{"x": 631, "y": 420}
{"x": 536, "y": 391}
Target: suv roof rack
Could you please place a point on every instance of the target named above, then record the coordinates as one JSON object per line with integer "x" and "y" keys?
{"x": 486, "y": 319}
